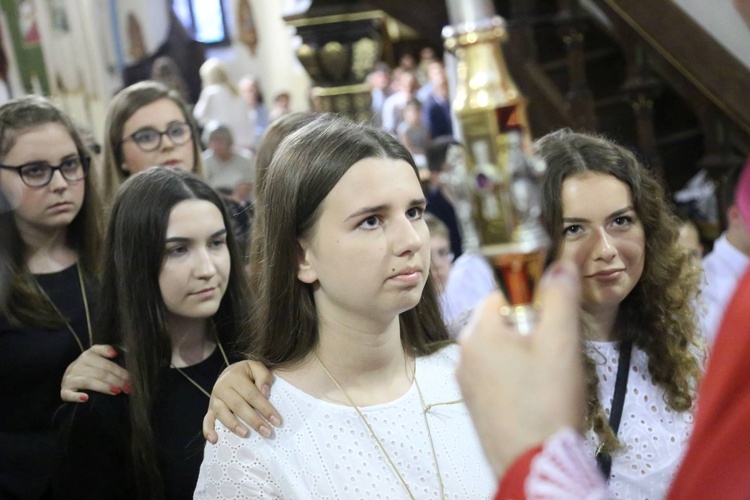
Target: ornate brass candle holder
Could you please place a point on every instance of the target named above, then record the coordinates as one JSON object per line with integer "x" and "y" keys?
{"x": 500, "y": 185}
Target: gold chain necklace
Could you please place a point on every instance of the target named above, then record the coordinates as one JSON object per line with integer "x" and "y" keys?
{"x": 375, "y": 437}
{"x": 85, "y": 308}
{"x": 196, "y": 384}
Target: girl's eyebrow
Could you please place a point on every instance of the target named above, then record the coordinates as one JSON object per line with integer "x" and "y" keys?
{"x": 613, "y": 215}
{"x": 182, "y": 239}
{"x": 63, "y": 158}
{"x": 378, "y": 208}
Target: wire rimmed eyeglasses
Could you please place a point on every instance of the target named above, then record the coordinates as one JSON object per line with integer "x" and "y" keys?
{"x": 39, "y": 173}
{"x": 149, "y": 139}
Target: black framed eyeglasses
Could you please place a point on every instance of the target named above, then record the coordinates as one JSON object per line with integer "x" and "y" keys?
{"x": 39, "y": 173}
{"x": 149, "y": 139}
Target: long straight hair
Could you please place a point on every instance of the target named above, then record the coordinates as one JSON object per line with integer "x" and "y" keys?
{"x": 275, "y": 133}
{"x": 133, "y": 311}
{"x": 25, "y": 304}
{"x": 304, "y": 169}
{"x": 124, "y": 105}
{"x": 658, "y": 314}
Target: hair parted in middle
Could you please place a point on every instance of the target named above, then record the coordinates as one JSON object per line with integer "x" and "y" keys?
{"x": 132, "y": 310}
{"x": 305, "y": 168}
{"x": 658, "y": 314}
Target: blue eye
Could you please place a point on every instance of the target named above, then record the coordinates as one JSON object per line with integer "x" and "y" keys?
{"x": 370, "y": 222}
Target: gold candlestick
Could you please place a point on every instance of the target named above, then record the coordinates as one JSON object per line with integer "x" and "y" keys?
{"x": 501, "y": 181}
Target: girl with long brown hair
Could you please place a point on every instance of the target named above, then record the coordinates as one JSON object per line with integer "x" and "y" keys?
{"x": 46, "y": 320}
{"x": 607, "y": 214}
{"x": 147, "y": 125}
{"x": 173, "y": 303}
{"x": 348, "y": 319}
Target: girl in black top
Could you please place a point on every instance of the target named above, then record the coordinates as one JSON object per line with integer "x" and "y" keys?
{"x": 45, "y": 319}
{"x": 173, "y": 302}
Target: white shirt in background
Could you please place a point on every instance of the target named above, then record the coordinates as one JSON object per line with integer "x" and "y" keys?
{"x": 471, "y": 279}
{"x": 723, "y": 267}
{"x": 226, "y": 175}
{"x": 217, "y": 103}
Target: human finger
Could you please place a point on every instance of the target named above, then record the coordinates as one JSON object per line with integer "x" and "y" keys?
{"x": 487, "y": 335}
{"x": 93, "y": 371}
{"x": 559, "y": 295}
{"x": 558, "y": 342}
{"x": 209, "y": 421}
{"x": 257, "y": 396}
{"x": 244, "y": 388}
{"x": 223, "y": 414}
{"x": 243, "y": 414}
{"x": 97, "y": 369}
{"x": 486, "y": 317}
{"x": 73, "y": 387}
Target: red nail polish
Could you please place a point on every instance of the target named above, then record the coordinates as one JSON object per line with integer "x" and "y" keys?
{"x": 126, "y": 389}
{"x": 84, "y": 398}
{"x": 112, "y": 353}
{"x": 115, "y": 390}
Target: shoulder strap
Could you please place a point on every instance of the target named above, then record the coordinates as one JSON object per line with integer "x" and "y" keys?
{"x": 604, "y": 459}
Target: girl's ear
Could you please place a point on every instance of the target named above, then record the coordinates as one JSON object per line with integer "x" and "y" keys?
{"x": 305, "y": 270}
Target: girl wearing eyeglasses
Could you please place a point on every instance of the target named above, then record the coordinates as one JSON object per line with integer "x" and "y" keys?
{"x": 147, "y": 125}
{"x": 45, "y": 320}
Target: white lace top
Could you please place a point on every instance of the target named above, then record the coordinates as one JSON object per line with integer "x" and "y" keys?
{"x": 324, "y": 450}
{"x": 655, "y": 437}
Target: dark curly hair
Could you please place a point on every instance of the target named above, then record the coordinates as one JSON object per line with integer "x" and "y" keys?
{"x": 658, "y": 315}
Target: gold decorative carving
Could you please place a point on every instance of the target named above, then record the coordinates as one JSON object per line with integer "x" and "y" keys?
{"x": 364, "y": 58}
{"x": 307, "y": 57}
{"x": 337, "y": 18}
{"x": 341, "y": 103}
{"x": 362, "y": 101}
{"x": 344, "y": 89}
{"x": 334, "y": 57}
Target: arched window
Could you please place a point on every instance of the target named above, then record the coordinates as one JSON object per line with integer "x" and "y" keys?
{"x": 205, "y": 20}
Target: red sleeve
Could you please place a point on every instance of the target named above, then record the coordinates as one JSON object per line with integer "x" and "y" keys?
{"x": 717, "y": 463}
{"x": 512, "y": 484}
